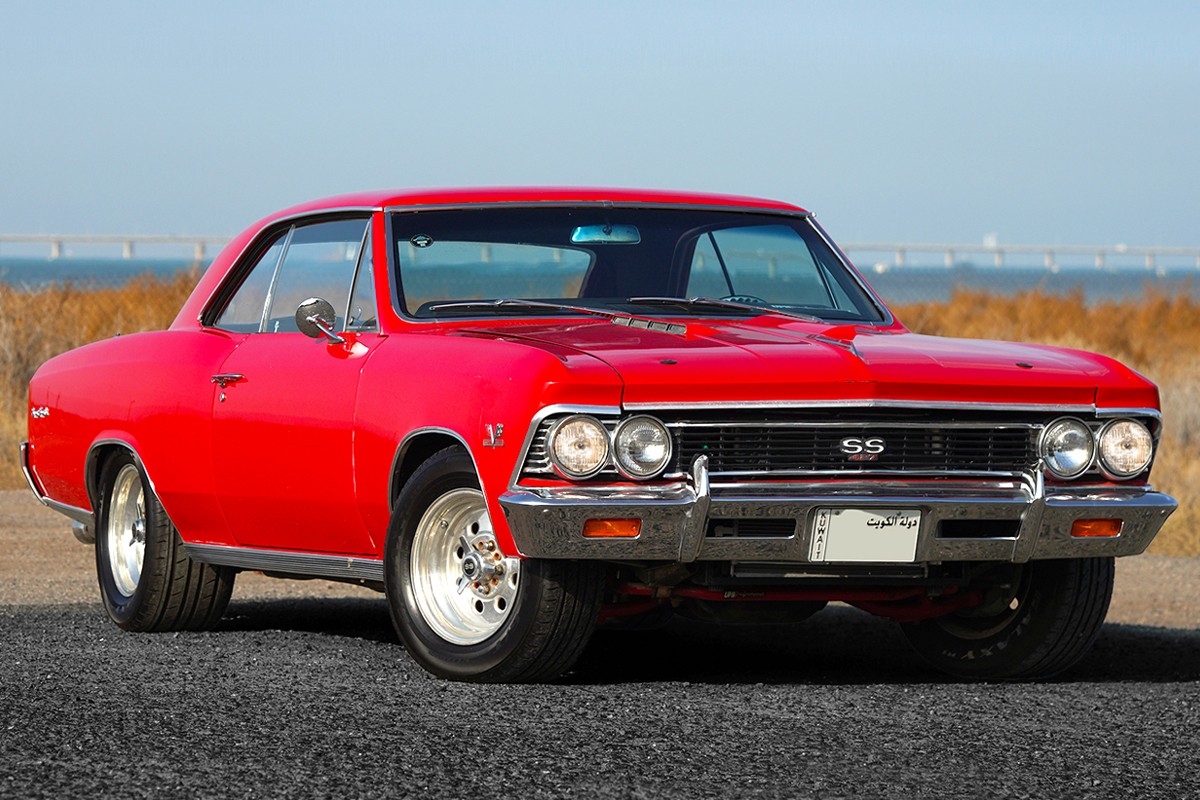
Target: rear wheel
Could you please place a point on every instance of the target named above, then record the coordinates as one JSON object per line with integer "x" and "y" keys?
{"x": 465, "y": 609}
{"x": 1037, "y": 620}
{"x": 147, "y": 582}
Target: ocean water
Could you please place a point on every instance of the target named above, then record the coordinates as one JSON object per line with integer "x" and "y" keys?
{"x": 910, "y": 283}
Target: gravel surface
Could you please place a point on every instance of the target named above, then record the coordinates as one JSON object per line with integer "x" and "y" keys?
{"x": 303, "y": 691}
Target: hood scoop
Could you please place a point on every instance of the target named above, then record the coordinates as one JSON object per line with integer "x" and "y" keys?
{"x": 642, "y": 323}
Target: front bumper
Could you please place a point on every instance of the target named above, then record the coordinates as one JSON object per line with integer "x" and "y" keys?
{"x": 549, "y": 522}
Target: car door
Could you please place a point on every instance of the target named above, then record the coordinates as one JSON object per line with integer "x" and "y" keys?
{"x": 283, "y": 417}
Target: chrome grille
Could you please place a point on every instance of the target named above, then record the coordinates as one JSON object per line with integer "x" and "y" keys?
{"x": 816, "y": 448}
{"x": 810, "y": 443}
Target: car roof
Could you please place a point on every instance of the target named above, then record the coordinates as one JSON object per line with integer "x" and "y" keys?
{"x": 470, "y": 196}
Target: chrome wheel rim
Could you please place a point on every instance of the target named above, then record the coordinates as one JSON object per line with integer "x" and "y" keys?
{"x": 126, "y": 531}
{"x": 463, "y": 585}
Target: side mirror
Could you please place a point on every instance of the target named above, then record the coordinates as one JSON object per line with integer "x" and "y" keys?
{"x": 315, "y": 318}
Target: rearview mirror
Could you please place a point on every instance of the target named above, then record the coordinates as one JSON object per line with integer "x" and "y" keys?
{"x": 606, "y": 234}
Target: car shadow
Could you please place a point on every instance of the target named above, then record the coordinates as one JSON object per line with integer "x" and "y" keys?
{"x": 363, "y": 618}
{"x": 839, "y": 645}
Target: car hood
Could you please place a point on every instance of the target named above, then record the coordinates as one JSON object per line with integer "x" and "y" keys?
{"x": 775, "y": 361}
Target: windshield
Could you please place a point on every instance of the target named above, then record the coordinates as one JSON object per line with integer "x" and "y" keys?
{"x": 459, "y": 262}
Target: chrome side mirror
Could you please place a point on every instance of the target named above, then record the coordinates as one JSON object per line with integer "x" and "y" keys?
{"x": 315, "y": 318}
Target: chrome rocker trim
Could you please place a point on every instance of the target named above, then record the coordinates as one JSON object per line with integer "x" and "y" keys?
{"x": 340, "y": 568}
{"x": 83, "y": 522}
{"x": 548, "y": 522}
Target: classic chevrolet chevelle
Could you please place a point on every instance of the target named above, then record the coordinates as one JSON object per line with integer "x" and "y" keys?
{"x": 523, "y": 413}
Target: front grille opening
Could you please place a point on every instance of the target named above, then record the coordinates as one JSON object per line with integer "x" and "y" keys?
{"x": 979, "y": 528}
{"x": 751, "y": 528}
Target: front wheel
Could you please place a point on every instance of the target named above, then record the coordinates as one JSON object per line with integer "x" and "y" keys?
{"x": 1037, "y": 620}
{"x": 466, "y": 610}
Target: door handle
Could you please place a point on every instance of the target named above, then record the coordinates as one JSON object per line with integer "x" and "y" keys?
{"x": 226, "y": 378}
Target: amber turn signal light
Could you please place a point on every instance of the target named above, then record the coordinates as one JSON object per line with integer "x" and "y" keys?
{"x": 1094, "y": 528}
{"x": 612, "y": 528}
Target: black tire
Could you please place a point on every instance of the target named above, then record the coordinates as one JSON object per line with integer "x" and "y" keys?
{"x": 167, "y": 591}
{"x": 551, "y": 608}
{"x": 1041, "y": 625}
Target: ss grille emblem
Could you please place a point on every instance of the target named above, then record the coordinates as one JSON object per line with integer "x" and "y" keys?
{"x": 859, "y": 449}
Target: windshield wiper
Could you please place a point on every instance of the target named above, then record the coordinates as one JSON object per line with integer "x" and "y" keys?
{"x": 627, "y": 320}
{"x": 516, "y": 302}
{"x": 712, "y": 302}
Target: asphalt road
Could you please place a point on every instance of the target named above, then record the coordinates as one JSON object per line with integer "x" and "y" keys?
{"x": 303, "y": 691}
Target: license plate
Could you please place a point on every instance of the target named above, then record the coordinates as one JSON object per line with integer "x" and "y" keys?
{"x": 885, "y": 535}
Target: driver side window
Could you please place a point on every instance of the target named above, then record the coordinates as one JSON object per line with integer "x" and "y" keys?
{"x": 315, "y": 260}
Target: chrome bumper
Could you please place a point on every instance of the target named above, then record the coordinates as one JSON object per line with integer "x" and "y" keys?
{"x": 548, "y": 522}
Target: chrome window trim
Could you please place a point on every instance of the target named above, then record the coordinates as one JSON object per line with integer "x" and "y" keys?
{"x": 888, "y": 318}
{"x": 275, "y": 222}
{"x": 664, "y": 206}
{"x": 362, "y": 248}
{"x": 266, "y": 310}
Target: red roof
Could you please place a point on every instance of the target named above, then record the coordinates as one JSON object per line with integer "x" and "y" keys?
{"x": 531, "y": 194}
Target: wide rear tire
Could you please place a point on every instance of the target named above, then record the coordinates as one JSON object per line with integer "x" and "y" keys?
{"x": 147, "y": 582}
{"x": 464, "y": 609}
{"x": 1040, "y": 625}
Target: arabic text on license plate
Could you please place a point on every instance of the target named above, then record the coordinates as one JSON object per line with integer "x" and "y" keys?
{"x": 886, "y": 535}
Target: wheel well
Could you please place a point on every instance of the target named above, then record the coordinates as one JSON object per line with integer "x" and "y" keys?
{"x": 96, "y": 460}
{"x": 415, "y": 452}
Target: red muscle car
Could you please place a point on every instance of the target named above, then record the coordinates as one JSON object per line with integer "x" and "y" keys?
{"x": 521, "y": 413}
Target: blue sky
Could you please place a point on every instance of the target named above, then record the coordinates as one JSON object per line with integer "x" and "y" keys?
{"x": 918, "y": 121}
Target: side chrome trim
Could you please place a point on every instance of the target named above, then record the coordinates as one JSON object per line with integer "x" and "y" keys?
{"x": 81, "y": 516}
{"x": 335, "y": 567}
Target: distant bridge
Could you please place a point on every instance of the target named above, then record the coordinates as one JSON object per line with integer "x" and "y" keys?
{"x": 899, "y": 253}
{"x": 58, "y": 242}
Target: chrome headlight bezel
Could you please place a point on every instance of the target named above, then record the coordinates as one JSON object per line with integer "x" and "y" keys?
{"x": 1047, "y": 450}
{"x": 601, "y": 460}
{"x": 1106, "y": 465}
{"x": 620, "y": 439}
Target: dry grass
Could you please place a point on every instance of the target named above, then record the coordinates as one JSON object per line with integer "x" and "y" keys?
{"x": 1155, "y": 334}
{"x": 35, "y": 325}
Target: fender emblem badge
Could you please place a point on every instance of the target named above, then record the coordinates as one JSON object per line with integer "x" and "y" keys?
{"x": 39, "y": 412}
{"x": 495, "y": 434}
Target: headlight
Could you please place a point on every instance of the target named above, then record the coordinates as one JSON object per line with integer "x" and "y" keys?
{"x": 1126, "y": 448}
{"x": 643, "y": 447}
{"x": 578, "y": 446}
{"x": 1067, "y": 447}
